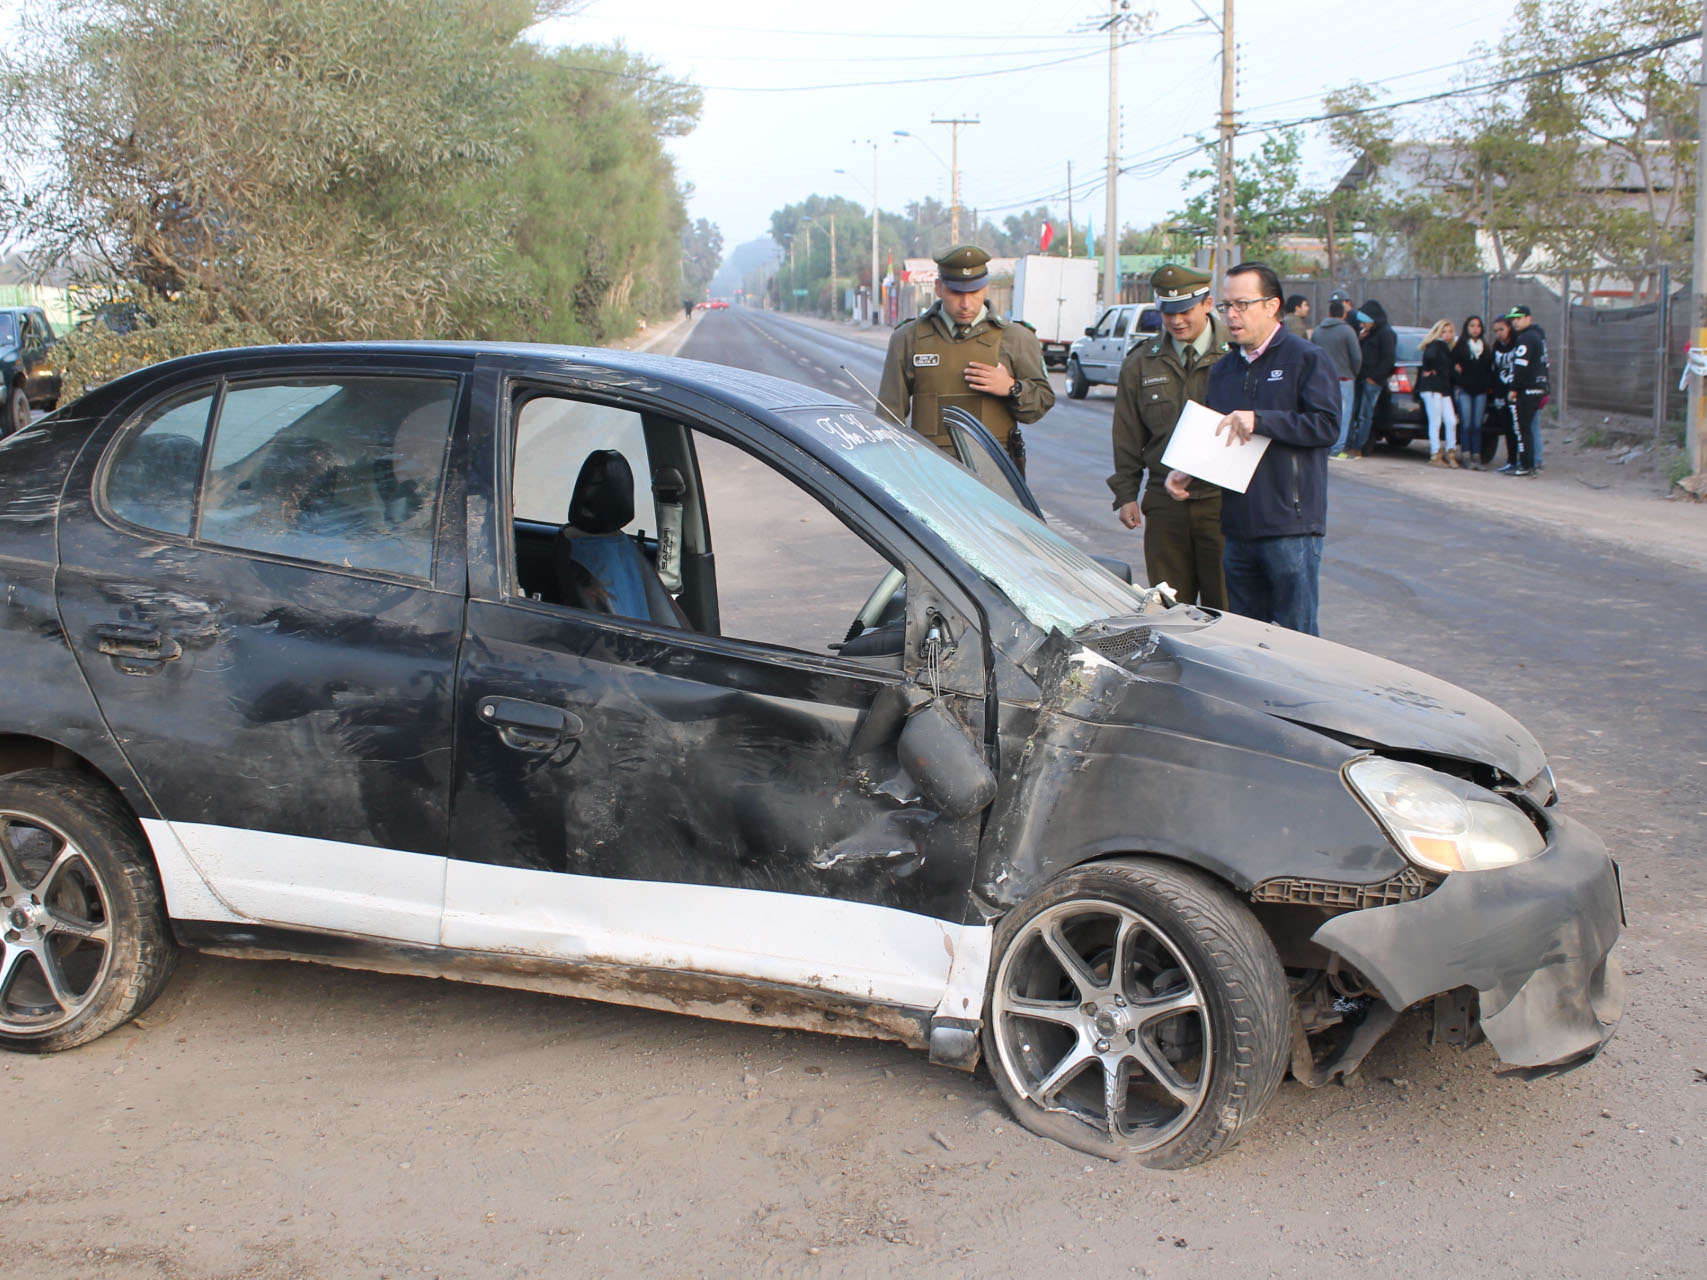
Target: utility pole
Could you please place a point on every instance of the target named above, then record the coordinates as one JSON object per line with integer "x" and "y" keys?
{"x": 954, "y": 176}
{"x": 1110, "y": 235}
{"x": 1694, "y": 446}
{"x": 1225, "y": 230}
{"x": 835, "y": 306}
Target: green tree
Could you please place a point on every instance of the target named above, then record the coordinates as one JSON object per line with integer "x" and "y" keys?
{"x": 1270, "y": 198}
{"x": 596, "y": 227}
{"x": 284, "y": 160}
{"x": 1593, "y": 165}
{"x": 702, "y": 254}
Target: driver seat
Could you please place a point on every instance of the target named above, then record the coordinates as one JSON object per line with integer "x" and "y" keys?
{"x": 599, "y": 567}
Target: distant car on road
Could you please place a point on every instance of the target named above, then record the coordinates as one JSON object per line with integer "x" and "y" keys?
{"x": 26, "y": 368}
{"x": 715, "y": 304}
{"x": 1097, "y": 357}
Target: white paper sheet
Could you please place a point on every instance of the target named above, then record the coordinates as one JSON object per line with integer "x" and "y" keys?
{"x": 1195, "y": 449}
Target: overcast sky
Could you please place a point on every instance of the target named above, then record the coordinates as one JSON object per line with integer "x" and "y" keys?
{"x": 770, "y": 134}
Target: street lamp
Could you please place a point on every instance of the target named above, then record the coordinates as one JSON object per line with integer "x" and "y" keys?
{"x": 876, "y": 288}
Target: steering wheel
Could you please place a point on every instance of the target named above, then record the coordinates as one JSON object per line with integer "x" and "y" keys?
{"x": 877, "y": 604}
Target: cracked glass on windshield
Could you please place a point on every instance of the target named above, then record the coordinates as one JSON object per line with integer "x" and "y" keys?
{"x": 1046, "y": 578}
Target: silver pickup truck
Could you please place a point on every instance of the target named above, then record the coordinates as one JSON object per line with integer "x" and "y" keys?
{"x": 1097, "y": 356}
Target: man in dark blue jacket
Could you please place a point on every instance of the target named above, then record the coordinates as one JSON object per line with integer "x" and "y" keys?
{"x": 1276, "y": 385}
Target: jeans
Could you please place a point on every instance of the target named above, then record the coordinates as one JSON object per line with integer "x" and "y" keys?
{"x": 1348, "y": 402}
{"x": 1471, "y": 406}
{"x": 1438, "y": 406}
{"x": 1275, "y": 579}
{"x": 1363, "y": 421}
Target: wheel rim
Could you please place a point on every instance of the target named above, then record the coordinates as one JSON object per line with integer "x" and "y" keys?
{"x": 1098, "y": 1016}
{"x": 55, "y": 927}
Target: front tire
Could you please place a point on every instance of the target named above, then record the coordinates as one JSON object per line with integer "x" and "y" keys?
{"x": 1076, "y": 384}
{"x": 84, "y": 945}
{"x": 1137, "y": 1009}
{"x": 17, "y": 411}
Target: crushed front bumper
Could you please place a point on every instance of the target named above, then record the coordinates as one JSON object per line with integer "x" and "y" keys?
{"x": 1534, "y": 940}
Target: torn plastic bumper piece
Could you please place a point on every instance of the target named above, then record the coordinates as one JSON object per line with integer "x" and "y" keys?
{"x": 1534, "y": 940}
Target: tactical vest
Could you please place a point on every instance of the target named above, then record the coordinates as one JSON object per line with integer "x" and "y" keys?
{"x": 939, "y": 380}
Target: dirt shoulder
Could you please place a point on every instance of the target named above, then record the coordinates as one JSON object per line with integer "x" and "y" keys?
{"x": 1610, "y": 489}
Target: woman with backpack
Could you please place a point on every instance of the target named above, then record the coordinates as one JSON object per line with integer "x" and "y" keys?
{"x": 1434, "y": 385}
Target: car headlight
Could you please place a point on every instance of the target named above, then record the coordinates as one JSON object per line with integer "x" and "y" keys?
{"x": 1442, "y": 822}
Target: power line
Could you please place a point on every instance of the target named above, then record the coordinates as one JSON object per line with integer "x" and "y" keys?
{"x": 1635, "y": 51}
{"x": 861, "y": 84}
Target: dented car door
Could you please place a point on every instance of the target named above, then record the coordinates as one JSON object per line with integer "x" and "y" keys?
{"x": 648, "y": 794}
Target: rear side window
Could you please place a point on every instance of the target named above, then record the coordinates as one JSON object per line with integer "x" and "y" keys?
{"x": 342, "y": 471}
{"x": 158, "y": 464}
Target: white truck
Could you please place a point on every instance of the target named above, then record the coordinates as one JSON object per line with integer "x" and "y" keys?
{"x": 1057, "y": 297}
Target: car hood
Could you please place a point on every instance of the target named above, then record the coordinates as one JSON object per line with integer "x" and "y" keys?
{"x": 1340, "y": 690}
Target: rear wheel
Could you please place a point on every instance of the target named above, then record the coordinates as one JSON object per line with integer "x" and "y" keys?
{"x": 1076, "y": 384}
{"x": 1138, "y": 1009}
{"x": 17, "y": 411}
{"x": 84, "y": 945}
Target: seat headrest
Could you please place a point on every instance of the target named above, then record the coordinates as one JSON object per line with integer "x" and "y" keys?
{"x": 604, "y": 493}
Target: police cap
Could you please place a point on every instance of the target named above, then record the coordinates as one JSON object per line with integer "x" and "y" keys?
{"x": 1178, "y": 288}
{"x": 964, "y": 269}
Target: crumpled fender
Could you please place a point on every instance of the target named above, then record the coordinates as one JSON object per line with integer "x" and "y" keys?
{"x": 1534, "y": 940}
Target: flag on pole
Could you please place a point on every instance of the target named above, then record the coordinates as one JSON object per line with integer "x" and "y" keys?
{"x": 1090, "y": 239}
{"x": 1048, "y": 237}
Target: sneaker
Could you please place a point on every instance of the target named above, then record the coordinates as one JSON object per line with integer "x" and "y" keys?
{"x": 1509, "y": 469}
{"x": 1342, "y": 456}
{"x": 1524, "y": 471}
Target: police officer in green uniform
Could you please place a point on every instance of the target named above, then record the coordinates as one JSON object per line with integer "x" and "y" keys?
{"x": 959, "y": 352}
{"x": 1182, "y": 540}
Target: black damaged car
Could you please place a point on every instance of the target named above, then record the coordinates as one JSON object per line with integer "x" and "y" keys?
{"x": 656, "y": 682}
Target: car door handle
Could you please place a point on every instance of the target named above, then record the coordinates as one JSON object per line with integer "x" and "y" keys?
{"x": 530, "y": 726}
{"x": 136, "y": 644}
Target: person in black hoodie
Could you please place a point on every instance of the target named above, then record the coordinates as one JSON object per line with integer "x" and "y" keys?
{"x": 1380, "y": 354}
{"x": 1504, "y": 400}
{"x": 1528, "y": 384}
{"x": 1274, "y": 384}
{"x": 1472, "y": 380}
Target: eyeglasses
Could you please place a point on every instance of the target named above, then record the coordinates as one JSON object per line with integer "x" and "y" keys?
{"x": 1241, "y": 305}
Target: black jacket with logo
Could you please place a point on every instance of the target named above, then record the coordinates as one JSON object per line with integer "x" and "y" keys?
{"x": 1295, "y": 392}
{"x": 1529, "y": 362}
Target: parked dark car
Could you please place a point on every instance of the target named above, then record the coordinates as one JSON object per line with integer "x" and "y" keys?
{"x": 27, "y": 372}
{"x": 658, "y": 682}
{"x": 1399, "y": 414}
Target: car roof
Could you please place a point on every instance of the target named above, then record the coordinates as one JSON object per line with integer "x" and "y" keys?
{"x": 754, "y": 392}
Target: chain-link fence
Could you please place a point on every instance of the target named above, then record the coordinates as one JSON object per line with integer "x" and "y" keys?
{"x": 1618, "y": 348}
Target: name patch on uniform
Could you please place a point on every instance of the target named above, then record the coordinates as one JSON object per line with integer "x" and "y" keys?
{"x": 926, "y": 360}
{"x": 1150, "y": 382}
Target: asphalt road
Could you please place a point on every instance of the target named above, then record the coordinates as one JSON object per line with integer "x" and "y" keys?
{"x": 268, "y": 1120}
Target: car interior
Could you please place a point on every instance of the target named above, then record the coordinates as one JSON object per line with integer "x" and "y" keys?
{"x": 727, "y": 545}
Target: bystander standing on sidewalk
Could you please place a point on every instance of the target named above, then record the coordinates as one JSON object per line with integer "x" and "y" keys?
{"x": 1297, "y": 317}
{"x": 1434, "y": 386}
{"x": 1339, "y": 340}
{"x": 1532, "y": 338}
{"x": 1528, "y": 384}
{"x": 1472, "y": 380}
{"x": 1505, "y": 399}
{"x": 1380, "y": 347}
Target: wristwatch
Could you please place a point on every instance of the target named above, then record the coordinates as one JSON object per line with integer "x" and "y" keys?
{"x": 1013, "y": 391}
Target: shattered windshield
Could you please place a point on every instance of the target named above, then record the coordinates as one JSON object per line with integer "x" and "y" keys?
{"x": 1046, "y": 578}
